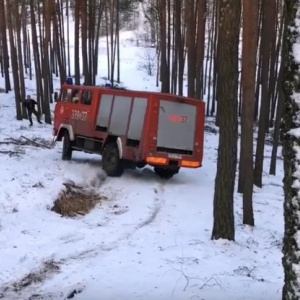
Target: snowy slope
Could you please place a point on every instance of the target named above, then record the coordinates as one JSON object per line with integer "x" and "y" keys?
{"x": 149, "y": 239}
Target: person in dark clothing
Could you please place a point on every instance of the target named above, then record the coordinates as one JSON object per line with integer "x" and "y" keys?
{"x": 30, "y": 106}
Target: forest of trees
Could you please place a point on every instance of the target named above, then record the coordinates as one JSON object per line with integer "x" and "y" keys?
{"x": 231, "y": 53}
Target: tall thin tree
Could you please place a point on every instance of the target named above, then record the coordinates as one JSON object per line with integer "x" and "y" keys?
{"x": 268, "y": 24}
{"x": 4, "y": 46}
{"x": 250, "y": 33}
{"x": 228, "y": 41}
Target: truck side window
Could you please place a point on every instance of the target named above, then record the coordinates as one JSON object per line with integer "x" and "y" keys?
{"x": 87, "y": 97}
{"x": 64, "y": 96}
{"x": 75, "y": 96}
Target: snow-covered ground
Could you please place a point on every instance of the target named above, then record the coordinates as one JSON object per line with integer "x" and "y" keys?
{"x": 150, "y": 239}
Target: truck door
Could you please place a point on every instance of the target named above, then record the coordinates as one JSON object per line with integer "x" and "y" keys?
{"x": 74, "y": 107}
{"x": 63, "y": 109}
{"x": 82, "y": 113}
{"x": 176, "y": 127}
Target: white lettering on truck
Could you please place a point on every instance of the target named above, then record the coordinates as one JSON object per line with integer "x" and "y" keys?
{"x": 79, "y": 115}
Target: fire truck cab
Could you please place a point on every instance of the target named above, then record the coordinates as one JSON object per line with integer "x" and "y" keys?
{"x": 130, "y": 128}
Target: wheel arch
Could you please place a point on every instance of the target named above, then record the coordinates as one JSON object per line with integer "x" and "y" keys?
{"x": 117, "y": 140}
{"x": 62, "y": 129}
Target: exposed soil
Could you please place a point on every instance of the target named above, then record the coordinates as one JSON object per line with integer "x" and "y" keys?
{"x": 76, "y": 200}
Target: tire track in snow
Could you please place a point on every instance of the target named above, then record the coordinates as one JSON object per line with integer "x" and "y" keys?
{"x": 158, "y": 204}
{"x": 30, "y": 290}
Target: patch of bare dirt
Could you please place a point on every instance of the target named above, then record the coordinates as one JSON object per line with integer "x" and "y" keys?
{"x": 76, "y": 200}
{"x": 36, "y": 276}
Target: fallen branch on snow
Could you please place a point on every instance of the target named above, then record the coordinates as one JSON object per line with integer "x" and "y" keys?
{"x": 11, "y": 153}
{"x": 24, "y": 141}
{"x": 212, "y": 281}
{"x": 188, "y": 261}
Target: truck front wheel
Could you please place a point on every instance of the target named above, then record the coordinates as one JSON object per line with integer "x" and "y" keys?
{"x": 111, "y": 162}
{"x": 165, "y": 173}
{"x": 67, "y": 147}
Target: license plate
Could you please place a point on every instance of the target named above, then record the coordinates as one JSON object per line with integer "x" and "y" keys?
{"x": 175, "y": 156}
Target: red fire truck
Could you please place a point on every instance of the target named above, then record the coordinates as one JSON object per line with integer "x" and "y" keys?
{"x": 130, "y": 128}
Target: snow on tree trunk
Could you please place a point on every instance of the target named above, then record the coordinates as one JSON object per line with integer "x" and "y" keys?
{"x": 291, "y": 153}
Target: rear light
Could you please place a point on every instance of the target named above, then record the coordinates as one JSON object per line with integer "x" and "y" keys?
{"x": 156, "y": 160}
{"x": 191, "y": 164}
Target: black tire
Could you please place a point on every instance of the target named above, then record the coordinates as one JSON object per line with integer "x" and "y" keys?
{"x": 111, "y": 162}
{"x": 165, "y": 173}
{"x": 140, "y": 165}
{"x": 67, "y": 146}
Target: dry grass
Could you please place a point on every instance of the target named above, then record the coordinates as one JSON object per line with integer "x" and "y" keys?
{"x": 76, "y": 200}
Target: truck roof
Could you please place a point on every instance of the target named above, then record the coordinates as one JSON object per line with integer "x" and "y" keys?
{"x": 124, "y": 92}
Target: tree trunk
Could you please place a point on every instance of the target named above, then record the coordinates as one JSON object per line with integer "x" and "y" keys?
{"x": 56, "y": 41}
{"x": 215, "y": 68}
{"x": 4, "y": 46}
{"x": 107, "y": 41}
{"x": 268, "y": 23}
{"x": 250, "y": 33}
{"x": 14, "y": 62}
{"x": 179, "y": 42}
{"x": 96, "y": 45}
{"x": 36, "y": 55}
{"x": 291, "y": 144}
{"x": 112, "y": 16}
{"x": 164, "y": 68}
{"x": 20, "y": 56}
{"x": 46, "y": 68}
{"x": 228, "y": 41}
{"x": 76, "y": 45}
{"x": 200, "y": 47}
{"x": 118, "y": 40}
{"x": 210, "y": 56}
{"x": 280, "y": 105}
{"x": 192, "y": 52}
{"x": 68, "y": 40}
{"x": 85, "y": 66}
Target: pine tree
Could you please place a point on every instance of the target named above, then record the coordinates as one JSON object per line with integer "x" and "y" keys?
{"x": 228, "y": 40}
{"x": 291, "y": 152}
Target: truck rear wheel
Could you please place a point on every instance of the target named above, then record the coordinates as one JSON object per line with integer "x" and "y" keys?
{"x": 140, "y": 165}
{"x": 67, "y": 146}
{"x": 111, "y": 162}
{"x": 165, "y": 173}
